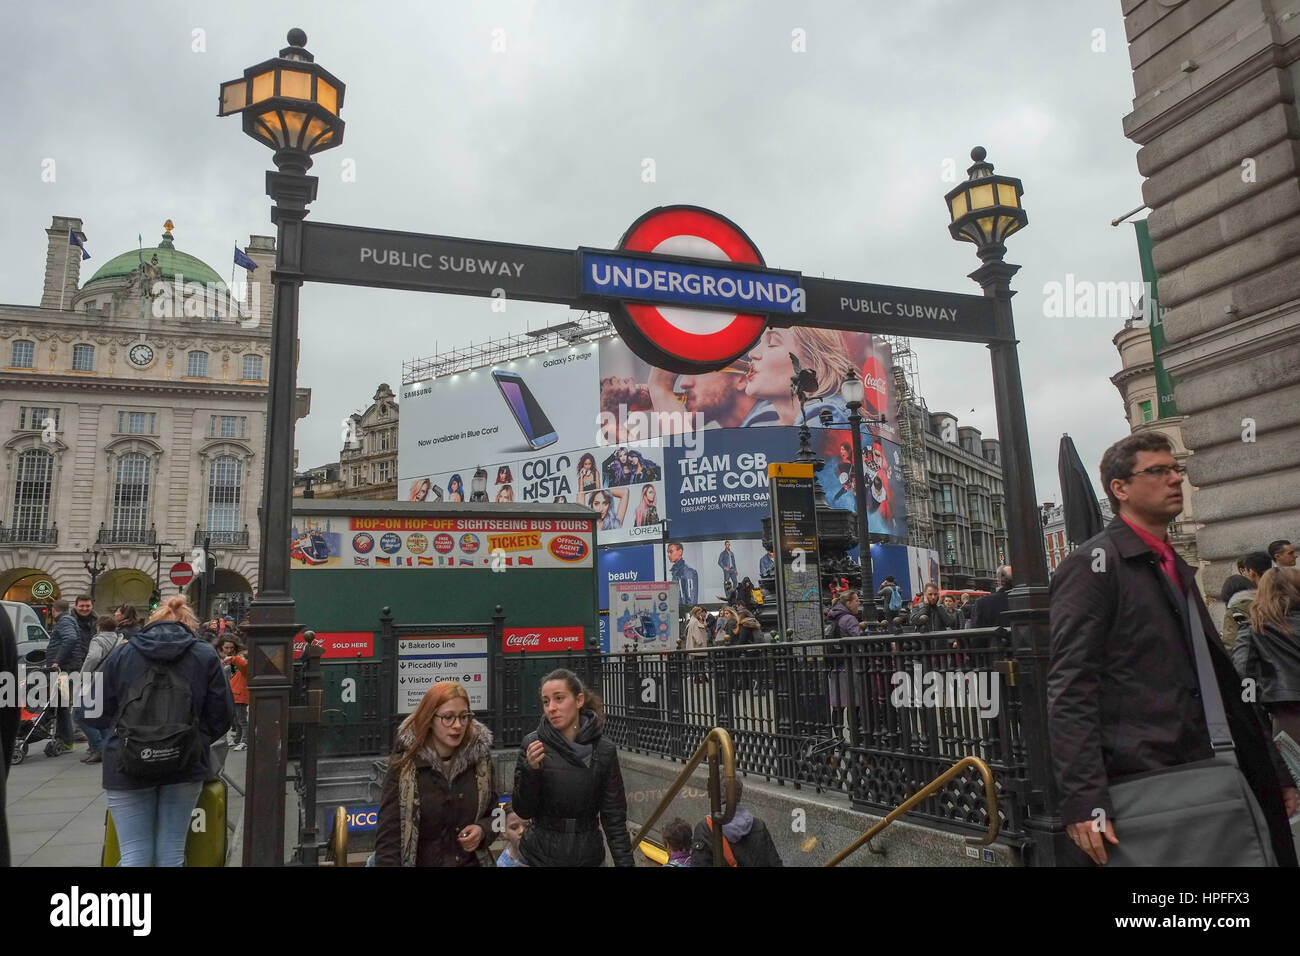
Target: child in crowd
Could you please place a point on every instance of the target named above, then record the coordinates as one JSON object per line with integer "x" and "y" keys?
{"x": 514, "y": 832}
{"x": 677, "y": 835}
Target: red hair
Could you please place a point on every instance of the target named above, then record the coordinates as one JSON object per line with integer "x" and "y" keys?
{"x": 420, "y": 723}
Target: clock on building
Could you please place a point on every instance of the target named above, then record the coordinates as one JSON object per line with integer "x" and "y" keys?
{"x": 141, "y": 355}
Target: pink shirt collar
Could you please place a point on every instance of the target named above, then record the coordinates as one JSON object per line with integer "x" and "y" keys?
{"x": 1163, "y": 549}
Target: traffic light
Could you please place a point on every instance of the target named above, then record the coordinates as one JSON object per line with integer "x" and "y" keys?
{"x": 154, "y": 600}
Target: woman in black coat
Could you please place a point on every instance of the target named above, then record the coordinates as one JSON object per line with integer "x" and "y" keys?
{"x": 438, "y": 797}
{"x": 568, "y": 782}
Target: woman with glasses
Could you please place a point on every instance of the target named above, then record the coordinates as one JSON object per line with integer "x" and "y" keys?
{"x": 437, "y": 800}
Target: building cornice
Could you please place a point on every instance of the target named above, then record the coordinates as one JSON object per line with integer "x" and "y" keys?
{"x": 105, "y": 384}
{"x": 1275, "y": 55}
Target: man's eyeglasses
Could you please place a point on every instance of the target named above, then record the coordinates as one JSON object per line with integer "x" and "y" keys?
{"x": 450, "y": 720}
{"x": 1161, "y": 471}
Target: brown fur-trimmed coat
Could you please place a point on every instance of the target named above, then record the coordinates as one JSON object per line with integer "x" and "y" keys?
{"x": 426, "y": 804}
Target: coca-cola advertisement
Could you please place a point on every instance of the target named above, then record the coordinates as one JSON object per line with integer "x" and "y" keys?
{"x": 541, "y": 640}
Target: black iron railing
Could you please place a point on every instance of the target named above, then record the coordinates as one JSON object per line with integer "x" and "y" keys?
{"x": 127, "y": 536}
{"x": 221, "y": 539}
{"x": 29, "y": 535}
{"x": 873, "y": 718}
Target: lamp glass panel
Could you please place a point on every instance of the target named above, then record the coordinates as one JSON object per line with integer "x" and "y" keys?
{"x": 986, "y": 226}
{"x": 1011, "y": 226}
{"x": 267, "y": 133}
{"x": 1007, "y": 194}
{"x": 314, "y": 129}
{"x": 851, "y": 391}
{"x": 959, "y": 205}
{"x": 981, "y": 196}
{"x": 234, "y": 96}
{"x": 293, "y": 124}
{"x": 325, "y": 140}
{"x": 274, "y": 128}
{"x": 263, "y": 86}
{"x": 295, "y": 84}
{"x": 327, "y": 96}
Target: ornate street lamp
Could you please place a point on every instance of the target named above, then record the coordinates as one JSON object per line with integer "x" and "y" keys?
{"x": 96, "y": 563}
{"x": 291, "y": 105}
{"x": 985, "y": 209}
{"x": 853, "y": 393}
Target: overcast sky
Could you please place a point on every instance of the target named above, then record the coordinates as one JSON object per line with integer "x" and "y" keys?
{"x": 832, "y": 158}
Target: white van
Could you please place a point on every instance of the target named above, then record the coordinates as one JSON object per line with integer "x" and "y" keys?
{"x": 31, "y": 635}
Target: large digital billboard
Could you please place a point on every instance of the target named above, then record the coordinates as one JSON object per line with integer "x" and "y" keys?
{"x": 659, "y": 456}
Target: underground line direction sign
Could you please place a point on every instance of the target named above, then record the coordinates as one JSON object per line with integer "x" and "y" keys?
{"x": 181, "y": 574}
{"x": 686, "y": 288}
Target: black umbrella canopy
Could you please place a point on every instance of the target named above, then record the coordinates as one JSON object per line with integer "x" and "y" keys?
{"x": 1078, "y": 500}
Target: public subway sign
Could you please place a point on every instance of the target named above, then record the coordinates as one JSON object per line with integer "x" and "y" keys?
{"x": 686, "y": 288}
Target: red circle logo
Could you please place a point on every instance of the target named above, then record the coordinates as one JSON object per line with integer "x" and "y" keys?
{"x": 683, "y": 339}
{"x": 443, "y": 543}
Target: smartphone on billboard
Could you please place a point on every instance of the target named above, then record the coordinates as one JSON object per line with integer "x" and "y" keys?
{"x": 532, "y": 421}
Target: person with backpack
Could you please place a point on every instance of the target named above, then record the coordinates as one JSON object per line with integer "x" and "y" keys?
{"x": 891, "y": 594}
{"x": 101, "y": 646}
{"x": 746, "y": 840}
{"x": 165, "y": 700}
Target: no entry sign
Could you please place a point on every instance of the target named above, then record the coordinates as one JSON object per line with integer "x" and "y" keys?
{"x": 181, "y": 574}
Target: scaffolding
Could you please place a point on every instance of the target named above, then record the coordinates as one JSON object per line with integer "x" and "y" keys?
{"x": 913, "y": 418}
{"x": 588, "y": 327}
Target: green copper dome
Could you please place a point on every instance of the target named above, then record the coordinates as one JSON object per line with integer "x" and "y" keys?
{"x": 171, "y": 261}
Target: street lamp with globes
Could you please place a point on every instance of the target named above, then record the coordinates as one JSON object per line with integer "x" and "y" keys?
{"x": 853, "y": 393}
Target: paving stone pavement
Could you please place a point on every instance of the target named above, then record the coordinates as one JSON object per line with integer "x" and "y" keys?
{"x": 56, "y": 807}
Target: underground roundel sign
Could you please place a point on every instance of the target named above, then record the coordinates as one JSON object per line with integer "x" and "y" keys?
{"x": 689, "y": 291}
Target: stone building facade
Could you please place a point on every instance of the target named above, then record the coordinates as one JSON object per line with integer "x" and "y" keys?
{"x": 1136, "y": 381}
{"x": 132, "y": 416}
{"x": 367, "y": 465}
{"x": 1215, "y": 115}
{"x": 963, "y": 472}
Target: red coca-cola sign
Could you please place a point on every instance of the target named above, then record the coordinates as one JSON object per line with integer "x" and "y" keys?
{"x": 338, "y": 644}
{"x": 875, "y": 385}
{"x": 532, "y": 640}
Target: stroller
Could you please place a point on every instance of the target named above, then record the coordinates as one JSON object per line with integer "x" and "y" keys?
{"x": 37, "y": 725}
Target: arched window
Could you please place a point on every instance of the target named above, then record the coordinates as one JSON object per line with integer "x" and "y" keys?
{"x": 252, "y": 368}
{"x": 225, "y": 485}
{"x": 83, "y": 358}
{"x": 131, "y": 493}
{"x": 197, "y": 366}
{"x": 24, "y": 354}
{"x": 31, "y": 514}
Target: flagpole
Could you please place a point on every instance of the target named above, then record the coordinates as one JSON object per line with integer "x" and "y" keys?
{"x": 63, "y": 286}
{"x": 139, "y": 240}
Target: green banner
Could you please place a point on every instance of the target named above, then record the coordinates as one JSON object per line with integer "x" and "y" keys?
{"x": 1154, "y": 313}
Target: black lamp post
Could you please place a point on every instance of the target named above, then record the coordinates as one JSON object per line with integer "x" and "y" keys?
{"x": 96, "y": 563}
{"x": 292, "y": 105}
{"x": 985, "y": 209}
{"x": 853, "y": 393}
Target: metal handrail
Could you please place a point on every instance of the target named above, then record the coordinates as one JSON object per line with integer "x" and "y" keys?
{"x": 338, "y": 845}
{"x": 717, "y": 746}
{"x": 990, "y": 798}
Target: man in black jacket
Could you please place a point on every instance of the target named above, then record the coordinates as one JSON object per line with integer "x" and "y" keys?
{"x": 988, "y": 609}
{"x": 8, "y": 723}
{"x": 931, "y": 615}
{"x": 1122, "y": 689}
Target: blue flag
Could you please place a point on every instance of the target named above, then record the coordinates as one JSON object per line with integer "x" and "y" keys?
{"x": 242, "y": 260}
{"x": 74, "y": 241}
